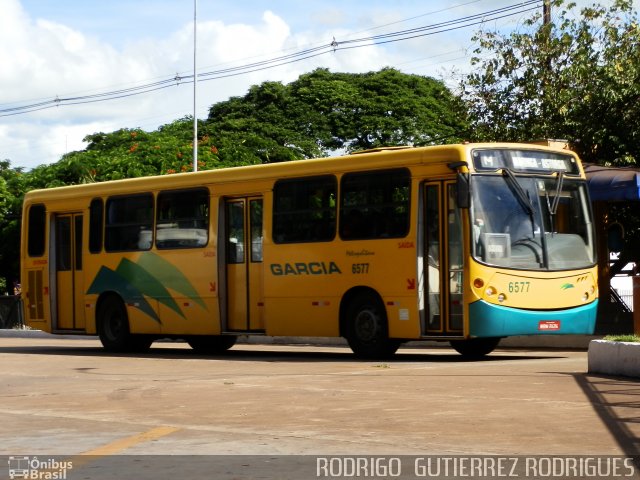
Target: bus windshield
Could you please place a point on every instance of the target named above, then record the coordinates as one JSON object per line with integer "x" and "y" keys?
{"x": 540, "y": 223}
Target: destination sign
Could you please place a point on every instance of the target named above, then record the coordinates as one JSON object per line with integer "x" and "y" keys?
{"x": 524, "y": 161}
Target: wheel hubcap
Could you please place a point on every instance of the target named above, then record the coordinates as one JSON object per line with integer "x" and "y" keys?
{"x": 366, "y": 325}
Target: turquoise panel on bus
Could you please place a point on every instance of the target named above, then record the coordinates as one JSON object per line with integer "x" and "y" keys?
{"x": 488, "y": 320}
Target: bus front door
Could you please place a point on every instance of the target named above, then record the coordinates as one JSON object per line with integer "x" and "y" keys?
{"x": 442, "y": 262}
{"x": 68, "y": 272}
{"x": 244, "y": 276}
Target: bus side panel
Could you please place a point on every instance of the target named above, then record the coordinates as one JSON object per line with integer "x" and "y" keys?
{"x": 34, "y": 272}
{"x": 165, "y": 292}
{"x": 303, "y": 316}
{"x": 302, "y": 289}
{"x": 139, "y": 320}
{"x": 403, "y": 317}
{"x": 190, "y": 318}
{"x": 487, "y": 320}
{"x": 35, "y": 294}
{"x": 305, "y": 284}
{"x": 190, "y": 303}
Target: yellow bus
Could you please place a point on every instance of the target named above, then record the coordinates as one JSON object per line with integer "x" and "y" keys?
{"x": 460, "y": 243}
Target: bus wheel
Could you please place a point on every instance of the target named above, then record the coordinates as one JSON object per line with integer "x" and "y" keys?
{"x": 212, "y": 344}
{"x": 367, "y": 331}
{"x": 475, "y": 347}
{"x": 113, "y": 328}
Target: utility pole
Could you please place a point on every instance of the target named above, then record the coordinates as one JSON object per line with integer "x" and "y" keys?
{"x": 546, "y": 12}
{"x": 547, "y": 69}
{"x": 195, "y": 88}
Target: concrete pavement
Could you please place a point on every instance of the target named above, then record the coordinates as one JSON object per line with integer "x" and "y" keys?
{"x": 66, "y": 396}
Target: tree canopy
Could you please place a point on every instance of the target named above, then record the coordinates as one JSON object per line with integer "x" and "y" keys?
{"x": 322, "y": 112}
{"x": 577, "y": 78}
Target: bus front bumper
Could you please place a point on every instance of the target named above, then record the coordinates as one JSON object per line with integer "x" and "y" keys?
{"x": 488, "y": 320}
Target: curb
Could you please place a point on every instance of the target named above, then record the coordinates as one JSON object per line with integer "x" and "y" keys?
{"x": 614, "y": 358}
{"x": 573, "y": 342}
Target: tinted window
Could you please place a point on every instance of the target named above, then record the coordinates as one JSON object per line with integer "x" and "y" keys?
{"x": 375, "y": 205}
{"x": 255, "y": 224}
{"x": 304, "y": 210}
{"x": 35, "y": 242}
{"x": 235, "y": 232}
{"x": 182, "y": 219}
{"x": 63, "y": 244}
{"x": 95, "y": 225}
{"x": 129, "y": 224}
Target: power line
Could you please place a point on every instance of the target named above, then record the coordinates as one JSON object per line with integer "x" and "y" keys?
{"x": 332, "y": 47}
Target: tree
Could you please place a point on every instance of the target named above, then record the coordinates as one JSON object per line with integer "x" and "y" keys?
{"x": 11, "y": 191}
{"x": 322, "y": 112}
{"x": 577, "y": 78}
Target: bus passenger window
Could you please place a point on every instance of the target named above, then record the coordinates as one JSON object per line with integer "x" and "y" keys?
{"x": 304, "y": 210}
{"x": 35, "y": 241}
{"x": 95, "y": 225}
{"x": 375, "y": 205}
{"x": 129, "y": 223}
{"x": 255, "y": 225}
{"x": 182, "y": 219}
{"x": 235, "y": 232}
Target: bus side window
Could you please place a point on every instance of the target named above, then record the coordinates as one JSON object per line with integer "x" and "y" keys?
{"x": 304, "y": 210}
{"x": 375, "y": 205}
{"x": 182, "y": 219}
{"x": 129, "y": 224}
{"x": 36, "y": 232}
{"x": 96, "y": 214}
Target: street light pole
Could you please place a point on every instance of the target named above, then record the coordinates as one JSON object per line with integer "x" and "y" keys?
{"x": 195, "y": 86}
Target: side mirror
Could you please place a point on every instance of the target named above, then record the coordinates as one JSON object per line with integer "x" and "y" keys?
{"x": 463, "y": 195}
{"x": 462, "y": 190}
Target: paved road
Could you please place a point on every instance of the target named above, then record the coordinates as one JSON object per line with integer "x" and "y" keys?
{"x": 64, "y": 396}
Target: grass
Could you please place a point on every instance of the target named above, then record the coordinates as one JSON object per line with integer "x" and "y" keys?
{"x": 623, "y": 338}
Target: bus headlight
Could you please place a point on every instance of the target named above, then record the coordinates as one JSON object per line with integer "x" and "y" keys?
{"x": 490, "y": 291}
{"x": 502, "y": 297}
{"x": 585, "y": 296}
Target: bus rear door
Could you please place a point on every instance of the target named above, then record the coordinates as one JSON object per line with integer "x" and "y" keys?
{"x": 68, "y": 272}
{"x": 243, "y": 259}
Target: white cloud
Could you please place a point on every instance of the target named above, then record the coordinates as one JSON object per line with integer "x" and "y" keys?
{"x": 45, "y": 58}
{"x": 42, "y": 59}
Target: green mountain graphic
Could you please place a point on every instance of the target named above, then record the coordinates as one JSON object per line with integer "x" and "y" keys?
{"x": 151, "y": 277}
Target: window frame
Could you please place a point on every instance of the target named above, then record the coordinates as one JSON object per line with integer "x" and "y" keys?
{"x": 377, "y": 217}
{"x": 296, "y": 224}
{"x": 110, "y": 227}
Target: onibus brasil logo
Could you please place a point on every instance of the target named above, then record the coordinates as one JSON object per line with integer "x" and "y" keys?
{"x": 41, "y": 469}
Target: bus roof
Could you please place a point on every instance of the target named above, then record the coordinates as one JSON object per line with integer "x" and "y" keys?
{"x": 369, "y": 159}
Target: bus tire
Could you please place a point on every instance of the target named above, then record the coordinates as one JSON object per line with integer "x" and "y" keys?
{"x": 211, "y": 344}
{"x": 475, "y": 347}
{"x": 367, "y": 331}
{"x": 113, "y": 328}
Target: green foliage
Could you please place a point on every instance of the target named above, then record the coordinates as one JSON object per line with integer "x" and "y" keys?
{"x": 12, "y": 188}
{"x": 577, "y": 79}
{"x": 623, "y": 338}
{"x": 322, "y": 112}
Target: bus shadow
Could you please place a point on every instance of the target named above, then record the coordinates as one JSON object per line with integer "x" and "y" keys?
{"x": 616, "y": 400}
{"x": 240, "y": 354}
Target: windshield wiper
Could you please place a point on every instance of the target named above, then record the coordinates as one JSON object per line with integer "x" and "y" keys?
{"x": 521, "y": 195}
{"x": 519, "y": 191}
{"x": 553, "y": 207}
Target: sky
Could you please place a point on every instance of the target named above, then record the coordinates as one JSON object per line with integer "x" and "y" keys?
{"x": 80, "y": 48}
